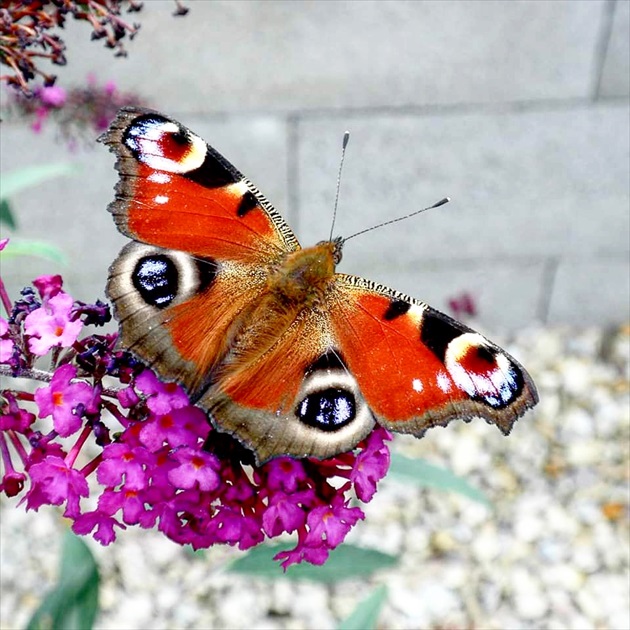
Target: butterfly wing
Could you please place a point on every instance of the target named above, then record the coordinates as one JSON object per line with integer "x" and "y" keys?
{"x": 418, "y": 368}
{"x": 205, "y": 240}
{"x": 367, "y": 354}
{"x": 297, "y": 399}
{"x": 177, "y": 192}
{"x": 193, "y": 298}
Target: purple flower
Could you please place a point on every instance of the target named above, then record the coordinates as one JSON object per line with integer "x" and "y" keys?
{"x": 284, "y": 514}
{"x": 285, "y": 474}
{"x": 161, "y": 463}
{"x": 180, "y": 427}
{"x": 161, "y": 397}
{"x": 371, "y": 465}
{"x": 13, "y": 418}
{"x": 48, "y": 286}
{"x": 315, "y": 555}
{"x": 61, "y": 399}
{"x": 53, "y": 96}
{"x": 51, "y": 325}
{"x": 128, "y": 501}
{"x": 331, "y": 523}
{"x": 121, "y": 461}
{"x": 12, "y": 483}
{"x": 463, "y": 304}
{"x": 196, "y": 469}
{"x": 104, "y": 524}
{"x": 6, "y": 343}
{"x": 55, "y": 483}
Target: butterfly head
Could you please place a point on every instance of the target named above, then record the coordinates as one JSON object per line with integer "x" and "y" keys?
{"x": 335, "y": 247}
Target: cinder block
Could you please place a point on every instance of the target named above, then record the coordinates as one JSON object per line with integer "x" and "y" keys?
{"x": 278, "y": 55}
{"x": 616, "y": 71}
{"x": 507, "y": 294}
{"x": 523, "y": 183}
{"x": 592, "y": 291}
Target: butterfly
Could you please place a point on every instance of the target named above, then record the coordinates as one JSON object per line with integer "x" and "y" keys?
{"x": 284, "y": 353}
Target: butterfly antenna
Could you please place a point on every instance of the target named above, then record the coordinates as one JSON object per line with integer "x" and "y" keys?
{"x": 439, "y": 203}
{"x": 346, "y": 137}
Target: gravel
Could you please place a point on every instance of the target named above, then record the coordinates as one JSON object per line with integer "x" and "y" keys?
{"x": 552, "y": 552}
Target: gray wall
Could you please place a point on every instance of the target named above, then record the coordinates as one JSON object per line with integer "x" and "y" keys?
{"x": 517, "y": 110}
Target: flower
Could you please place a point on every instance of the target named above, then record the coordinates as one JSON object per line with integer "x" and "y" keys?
{"x": 48, "y": 286}
{"x": 370, "y": 466}
{"x": 52, "y": 325}
{"x": 463, "y": 304}
{"x": 54, "y": 482}
{"x": 6, "y": 343}
{"x": 159, "y": 462}
{"x": 62, "y": 399}
{"x": 161, "y": 397}
{"x": 25, "y": 27}
{"x": 52, "y": 96}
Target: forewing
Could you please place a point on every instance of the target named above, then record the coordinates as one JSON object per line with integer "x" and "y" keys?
{"x": 177, "y": 192}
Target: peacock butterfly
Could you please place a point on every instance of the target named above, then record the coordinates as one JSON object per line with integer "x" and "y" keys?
{"x": 285, "y": 354}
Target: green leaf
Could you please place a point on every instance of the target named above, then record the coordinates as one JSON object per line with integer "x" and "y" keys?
{"x": 14, "y": 181}
{"x": 423, "y": 474}
{"x": 73, "y": 604}
{"x": 345, "y": 562}
{"x": 40, "y": 249}
{"x": 6, "y": 216}
{"x": 365, "y": 615}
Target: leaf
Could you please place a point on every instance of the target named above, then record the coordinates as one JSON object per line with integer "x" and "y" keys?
{"x": 345, "y": 562}
{"x": 6, "y": 216}
{"x": 73, "y": 603}
{"x": 365, "y": 615}
{"x": 40, "y": 249}
{"x": 423, "y": 474}
{"x": 14, "y": 181}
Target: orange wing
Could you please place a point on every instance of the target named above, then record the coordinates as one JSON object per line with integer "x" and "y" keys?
{"x": 177, "y": 192}
{"x": 417, "y": 367}
{"x": 205, "y": 242}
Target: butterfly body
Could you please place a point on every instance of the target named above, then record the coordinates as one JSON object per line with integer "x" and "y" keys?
{"x": 282, "y": 351}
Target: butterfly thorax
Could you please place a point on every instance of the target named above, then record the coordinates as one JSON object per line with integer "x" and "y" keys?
{"x": 303, "y": 277}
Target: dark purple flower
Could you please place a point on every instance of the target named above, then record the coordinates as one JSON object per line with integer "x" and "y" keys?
{"x": 284, "y": 514}
{"x": 462, "y": 305}
{"x": 12, "y": 483}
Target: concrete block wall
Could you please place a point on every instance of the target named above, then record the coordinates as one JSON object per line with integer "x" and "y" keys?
{"x": 519, "y": 111}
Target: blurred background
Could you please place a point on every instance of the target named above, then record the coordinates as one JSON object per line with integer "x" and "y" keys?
{"x": 518, "y": 111}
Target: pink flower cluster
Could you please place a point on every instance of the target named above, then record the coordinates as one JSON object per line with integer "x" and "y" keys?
{"x": 89, "y": 108}
{"x": 159, "y": 463}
